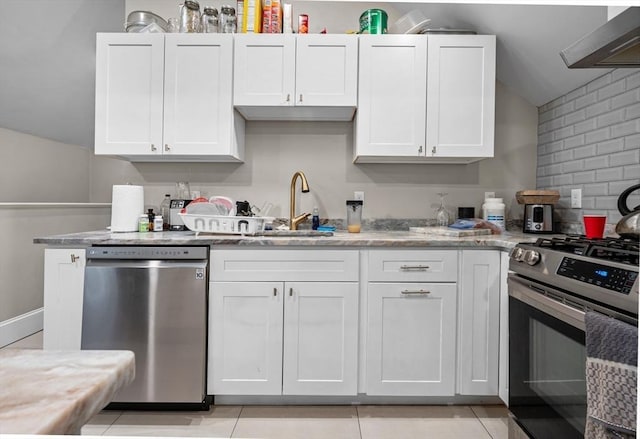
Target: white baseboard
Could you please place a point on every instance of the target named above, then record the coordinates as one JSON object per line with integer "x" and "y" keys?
{"x": 21, "y": 326}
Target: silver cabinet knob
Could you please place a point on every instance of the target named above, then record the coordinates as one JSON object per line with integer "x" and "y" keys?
{"x": 74, "y": 258}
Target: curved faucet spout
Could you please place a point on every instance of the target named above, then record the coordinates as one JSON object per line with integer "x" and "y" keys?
{"x": 295, "y": 220}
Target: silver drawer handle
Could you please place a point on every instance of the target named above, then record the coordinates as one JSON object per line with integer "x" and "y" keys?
{"x": 415, "y": 292}
{"x": 414, "y": 267}
{"x": 74, "y": 258}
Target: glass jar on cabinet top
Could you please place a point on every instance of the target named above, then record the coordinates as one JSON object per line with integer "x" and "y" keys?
{"x": 190, "y": 16}
{"x": 209, "y": 20}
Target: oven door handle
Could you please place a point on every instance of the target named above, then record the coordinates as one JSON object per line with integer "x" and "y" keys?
{"x": 525, "y": 292}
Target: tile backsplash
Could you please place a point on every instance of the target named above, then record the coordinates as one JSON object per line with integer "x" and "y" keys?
{"x": 590, "y": 139}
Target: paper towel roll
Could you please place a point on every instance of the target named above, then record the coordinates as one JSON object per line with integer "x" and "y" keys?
{"x": 127, "y": 203}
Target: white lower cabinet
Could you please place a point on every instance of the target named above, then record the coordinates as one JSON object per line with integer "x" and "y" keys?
{"x": 63, "y": 289}
{"x": 479, "y": 322}
{"x": 411, "y": 322}
{"x": 411, "y": 335}
{"x": 286, "y": 337}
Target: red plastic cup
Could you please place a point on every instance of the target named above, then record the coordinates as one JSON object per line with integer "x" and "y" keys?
{"x": 594, "y": 225}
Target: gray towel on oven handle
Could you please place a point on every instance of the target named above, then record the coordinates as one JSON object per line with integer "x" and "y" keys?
{"x": 611, "y": 373}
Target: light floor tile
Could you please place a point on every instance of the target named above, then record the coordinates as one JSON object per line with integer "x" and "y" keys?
{"x": 420, "y": 422}
{"x": 99, "y": 424}
{"x": 298, "y": 422}
{"x": 494, "y": 418}
{"x": 218, "y": 422}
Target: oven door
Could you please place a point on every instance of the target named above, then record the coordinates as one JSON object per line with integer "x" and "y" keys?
{"x": 547, "y": 361}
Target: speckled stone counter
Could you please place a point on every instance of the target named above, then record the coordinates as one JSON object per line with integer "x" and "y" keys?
{"x": 57, "y": 392}
{"x": 504, "y": 241}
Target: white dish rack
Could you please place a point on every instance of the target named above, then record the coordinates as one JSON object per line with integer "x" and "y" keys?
{"x": 229, "y": 225}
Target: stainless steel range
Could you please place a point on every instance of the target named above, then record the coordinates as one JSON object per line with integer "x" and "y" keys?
{"x": 553, "y": 283}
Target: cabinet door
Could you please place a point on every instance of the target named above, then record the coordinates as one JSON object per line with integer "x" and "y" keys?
{"x": 411, "y": 339}
{"x": 479, "y": 322}
{"x": 245, "y": 338}
{"x": 320, "y": 338}
{"x": 461, "y": 95}
{"x": 264, "y": 70}
{"x": 326, "y": 70}
{"x": 392, "y": 80}
{"x": 198, "y": 103}
{"x": 63, "y": 293}
{"x": 129, "y": 88}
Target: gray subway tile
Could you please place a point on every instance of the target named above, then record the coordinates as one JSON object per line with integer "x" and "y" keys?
{"x": 596, "y": 162}
{"x": 624, "y": 158}
{"x": 633, "y": 81}
{"x": 588, "y": 99}
{"x": 584, "y": 177}
{"x": 562, "y": 156}
{"x": 545, "y": 138}
{"x": 573, "y": 166}
{"x": 632, "y": 112}
{"x": 599, "y": 82}
{"x": 587, "y": 125}
{"x": 631, "y": 172}
{"x": 588, "y": 203}
{"x": 597, "y": 136}
{"x": 563, "y": 109}
{"x": 610, "y": 146}
{"x": 545, "y": 116}
{"x": 596, "y": 189}
{"x": 543, "y": 182}
{"x": 625, "y": 128}
{"x": 553, "y": 169}
{"x": 606, "y": 202}
{"x": 544, "y": 160}
{"x": 581, "y": 91}
{"x": 563, "y": 133}
{"x": 609, "y": 174}
{"x": 576, "y": 116}
{"x": 616, "y": 187}
{"x": 624, "y": 99}
{"x": 562, "y": 179}
{"x": 572, "y": 142}
{"x": 621, "y": 73}
{"x": 597, "y": 109}
{"x": 584, "y": 152}
{"x": 611, "y": 118}
{"x": 632, "y": 141}
{"x": 611, "y": 90}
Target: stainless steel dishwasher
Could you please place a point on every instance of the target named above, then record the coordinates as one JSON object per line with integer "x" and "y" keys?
{"x": 152, "y": 301}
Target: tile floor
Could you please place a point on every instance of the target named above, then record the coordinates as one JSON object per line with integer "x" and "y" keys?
{"x": 304, "y": 422}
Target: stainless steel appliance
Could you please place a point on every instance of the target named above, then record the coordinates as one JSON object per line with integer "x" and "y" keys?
{"x": 614, "y": 44}
{"x": 553, "y": 283}
{"x": 175, "y": 220}
{"x": 538, "y": 218}
{"x": 629, "y": 225}
{"x": 152, "y": 301}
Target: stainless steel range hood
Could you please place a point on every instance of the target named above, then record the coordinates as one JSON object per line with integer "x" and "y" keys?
{"x": 612, "y": 45}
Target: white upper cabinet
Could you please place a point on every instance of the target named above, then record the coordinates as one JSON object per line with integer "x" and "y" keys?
{"x": 166, "y": 97}
{"x": 461, "y": 71}
{"x": 295, "y": 77}
{"x": 426, "y": 99}
{"x": 392, "y": 84}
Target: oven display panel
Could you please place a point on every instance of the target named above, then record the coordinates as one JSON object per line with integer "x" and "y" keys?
{"x": 615, "y": 279}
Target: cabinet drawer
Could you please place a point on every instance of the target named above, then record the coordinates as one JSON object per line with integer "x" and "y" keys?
{"x": 413, "y": 265}
{"x": 284, "y": 265}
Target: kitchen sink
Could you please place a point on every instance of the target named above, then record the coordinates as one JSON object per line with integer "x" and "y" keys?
{"x": 299, "y": 233}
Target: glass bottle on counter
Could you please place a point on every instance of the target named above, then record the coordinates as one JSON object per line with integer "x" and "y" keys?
{"x": 151, "y": 217}
{"x": 227, "y": 22}
{"x": 165, "y": 210}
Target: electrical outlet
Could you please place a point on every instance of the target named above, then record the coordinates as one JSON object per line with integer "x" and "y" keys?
{"x": 576, "y": 198}
{"x": 489, "y": 195}
{"x": 358, "y": 195}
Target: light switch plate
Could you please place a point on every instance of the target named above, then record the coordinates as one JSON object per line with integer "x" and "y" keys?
{"x": 576, "y": 198}
{"x": 489, "y": 195}
{"x": 358, "y": 195}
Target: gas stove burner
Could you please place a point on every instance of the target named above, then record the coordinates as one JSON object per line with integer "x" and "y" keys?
{"x": 623, "y": 250}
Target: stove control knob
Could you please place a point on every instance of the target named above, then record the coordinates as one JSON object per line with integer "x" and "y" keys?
{"x": 517, "y": 254}
{"x": 531, "y": 257}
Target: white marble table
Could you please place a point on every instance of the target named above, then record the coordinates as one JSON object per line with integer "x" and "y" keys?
{"x": 57, "y": 392}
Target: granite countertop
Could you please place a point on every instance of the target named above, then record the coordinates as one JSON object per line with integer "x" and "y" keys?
{"x": 504, "y": 241}
{"x": 57, "y": 392}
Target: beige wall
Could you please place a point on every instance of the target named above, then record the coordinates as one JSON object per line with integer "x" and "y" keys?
{"x": 323, "y": 150}
{"x": 37, "y": 170}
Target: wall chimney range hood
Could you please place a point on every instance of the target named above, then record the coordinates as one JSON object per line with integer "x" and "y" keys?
{"x": 614, "y": 44}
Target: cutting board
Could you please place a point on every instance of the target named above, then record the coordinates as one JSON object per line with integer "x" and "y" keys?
{"x": 448, "y": 231}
